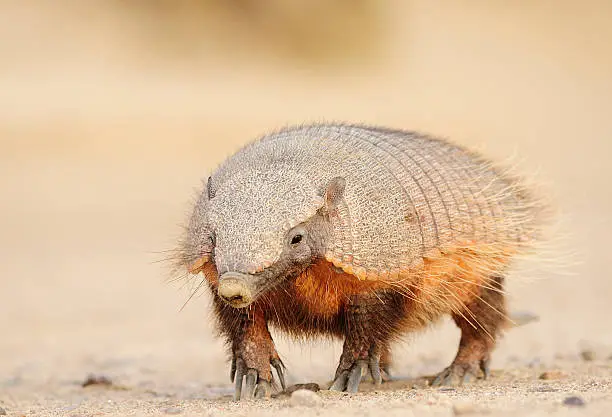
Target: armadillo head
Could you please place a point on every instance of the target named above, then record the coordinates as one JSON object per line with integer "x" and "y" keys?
{"x": 268, "y": 226}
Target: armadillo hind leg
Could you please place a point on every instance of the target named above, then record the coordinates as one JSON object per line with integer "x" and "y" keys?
{"x": 370, "y": 322}
{"x": 480, "y": 321}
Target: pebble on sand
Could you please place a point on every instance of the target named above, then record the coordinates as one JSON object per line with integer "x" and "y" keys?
{"x": 548, "y": 375}
{"x": 93, "y": 379}
{"x": 574, "y": 401}
{"x": 173, "y": 410}
{"x": 311, "y": 386}
{"x": 588, "y": 355}
{"x": 2, "y": 411}
{"x": 305, "y": 398}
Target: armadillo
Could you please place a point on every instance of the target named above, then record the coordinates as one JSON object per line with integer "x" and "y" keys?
{"x": 357, "y": 232}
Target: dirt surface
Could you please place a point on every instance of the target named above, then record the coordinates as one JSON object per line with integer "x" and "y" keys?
{"x": 109, "y": 118}
{"x": 579, "y": 388}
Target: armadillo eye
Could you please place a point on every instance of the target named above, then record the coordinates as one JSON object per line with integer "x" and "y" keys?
{"x": 296, "y": 239}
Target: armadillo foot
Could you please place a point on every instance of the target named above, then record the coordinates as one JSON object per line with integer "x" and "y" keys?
{"x": 350, "y": 373}
{"x": 459, "y": 373}
{"x": 250, "y": 384}
{"x": 349, "y": 380}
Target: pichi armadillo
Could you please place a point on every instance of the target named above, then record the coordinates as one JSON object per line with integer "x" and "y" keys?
{"x": 358, "y": 232}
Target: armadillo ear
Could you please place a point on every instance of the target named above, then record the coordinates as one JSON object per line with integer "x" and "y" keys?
{"x": 334, "y": 192}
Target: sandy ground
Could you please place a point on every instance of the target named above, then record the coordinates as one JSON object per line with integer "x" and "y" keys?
{"x": 105, "y": 134}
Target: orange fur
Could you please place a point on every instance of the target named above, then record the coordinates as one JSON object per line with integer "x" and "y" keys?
{"x": 323, "y": 289}
{"x": 313, "y": 302}
{"x": 370, "y": 314}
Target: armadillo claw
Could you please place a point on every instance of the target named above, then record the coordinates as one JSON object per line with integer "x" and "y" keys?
{"x": 375, "y": 370}
{"x": 279, "y": 366}
{"x": 263, "y": 390}
{"x": 339, "y": 383}
{"x": 485, "y": 367}
{"x": 349, "y": 380}
{"x": 237, "y": 373}
{"x": 248, "y": 384}
{"x": 355, "y": 376}
{"x": 461, "y": 374}
{"x": 447, "y": 377}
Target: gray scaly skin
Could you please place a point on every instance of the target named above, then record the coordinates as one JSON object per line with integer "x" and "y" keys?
{"x": 375, "y": 203}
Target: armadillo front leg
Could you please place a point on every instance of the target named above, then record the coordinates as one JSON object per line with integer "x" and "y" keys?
{"x": 253, "y": 352}
{"x": 369, "y": 322}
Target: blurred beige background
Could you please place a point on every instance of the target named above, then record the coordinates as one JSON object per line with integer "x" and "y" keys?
{"x": 111, "y": 113}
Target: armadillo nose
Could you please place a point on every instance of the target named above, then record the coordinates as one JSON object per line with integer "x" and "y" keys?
{"x": 234, "y": 290}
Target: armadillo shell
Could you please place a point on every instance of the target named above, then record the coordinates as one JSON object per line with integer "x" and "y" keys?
{"x": 408, "y": 196}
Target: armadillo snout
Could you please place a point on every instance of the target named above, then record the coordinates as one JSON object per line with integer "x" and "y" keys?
{"x": 234, "y": 290}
